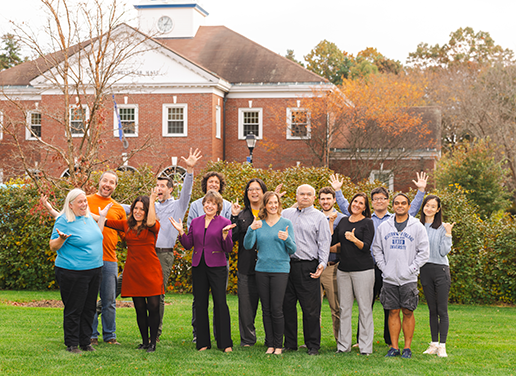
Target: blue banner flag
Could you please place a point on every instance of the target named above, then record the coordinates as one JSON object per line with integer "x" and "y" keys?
{"x": 120, "y": 130}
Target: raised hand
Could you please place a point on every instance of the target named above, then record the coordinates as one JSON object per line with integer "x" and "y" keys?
{"x": 103, "y": 212}
{"x": 278, "y": 190}
{"x": 177, "y": 225}
{"x": 192, "y": 159}
{"x": 350, "y": 235}
{"x": 226, "y": 229}
{"x": 44, "y": 201}
{"x": 62, "y": 235}
{"x": 257, "y": 223}
{"x": 153, "y": 195}
{"x": 421, "y": 181}
{"x": 448, "y": 227}
{"x": 283, "y": 235}
{"x": 336, "y": 184}
{"x": 333, "y": 216}
{"x": 235, "y": 208}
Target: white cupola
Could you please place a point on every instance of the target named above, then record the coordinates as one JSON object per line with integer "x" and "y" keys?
{"x": 170, "y": 18}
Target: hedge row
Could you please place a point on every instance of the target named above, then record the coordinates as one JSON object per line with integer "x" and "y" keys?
{"x": 482, "y": 261}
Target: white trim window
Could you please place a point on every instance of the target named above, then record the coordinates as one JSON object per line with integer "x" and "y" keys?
{"x": 384, "y": 176}
{"x": 250, "y": 120}
{"x": 218, "y": 122}
{"x": 33, "y": 130}
{"x": 175, "y": 120}
{"x": 1, "y": 174}
{"x": 298, "y": 124}
{"x": 78, "y": 118}
{"x": 1, "y": 125}
{"x": 128, "y": 119}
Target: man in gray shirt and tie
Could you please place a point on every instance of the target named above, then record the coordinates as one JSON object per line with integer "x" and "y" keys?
{"x": 306, "y": 265}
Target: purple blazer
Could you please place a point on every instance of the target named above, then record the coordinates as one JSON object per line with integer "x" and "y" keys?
{"x": 213, "y": 245}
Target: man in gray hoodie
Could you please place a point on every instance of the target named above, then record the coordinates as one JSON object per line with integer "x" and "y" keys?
{"x": 400, "y": 248}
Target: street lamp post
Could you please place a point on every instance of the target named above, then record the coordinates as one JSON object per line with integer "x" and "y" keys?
{"x": 250, "y": 139}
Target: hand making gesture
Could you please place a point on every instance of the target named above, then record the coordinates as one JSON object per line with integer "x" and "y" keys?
{"x": 225, "y": 230}
{"x": 235, "y": 208}
{"x": 283, "y": 235}
{"x": 448, "y": 228}
{"x": 336, "y": 184}
{"x": 153, "y": 195}
{"x": 278, "y": 190}
{"x": 421, "y": 181}
{"x": 192, "y": 160}
{"x": 177, "y": 225}
{"x": 350, "y": 235}
{"x": 257, "y": 223}
{"x": 63, "y": 236}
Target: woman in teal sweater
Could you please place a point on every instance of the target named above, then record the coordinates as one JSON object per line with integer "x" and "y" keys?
{"x": 274, "y": 245}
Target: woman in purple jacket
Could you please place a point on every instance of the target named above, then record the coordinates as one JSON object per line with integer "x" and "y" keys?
{"x": 210, "y": 236}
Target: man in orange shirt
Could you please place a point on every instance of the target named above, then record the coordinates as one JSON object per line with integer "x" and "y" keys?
{"x": 107, "y": 184}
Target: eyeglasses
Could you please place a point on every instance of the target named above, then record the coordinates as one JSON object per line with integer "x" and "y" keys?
{"x": 254, "y": 189}
{"x": 380, "y": 199}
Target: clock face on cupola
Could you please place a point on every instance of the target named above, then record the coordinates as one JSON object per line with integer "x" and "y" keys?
{"x": 170, "y": 18}
{"x": 165, "y": 24}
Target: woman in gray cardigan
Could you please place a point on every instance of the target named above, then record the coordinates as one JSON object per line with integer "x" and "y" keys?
{"x": 435, "y": 274}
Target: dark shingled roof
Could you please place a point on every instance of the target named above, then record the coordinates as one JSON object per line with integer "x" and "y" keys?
{"x": 238, "y": 59}
{"x": 218, "y": 49}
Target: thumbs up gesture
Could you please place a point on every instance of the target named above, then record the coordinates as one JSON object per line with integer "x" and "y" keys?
{"x": 351, "y": 236}
{"x": 257, "y": 223}
{"x": 283, "y": 235}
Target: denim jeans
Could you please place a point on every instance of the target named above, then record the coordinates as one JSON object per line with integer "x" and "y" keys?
{"x": 108, "y": 296}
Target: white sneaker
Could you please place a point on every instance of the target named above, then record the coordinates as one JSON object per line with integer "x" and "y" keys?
{"x": 441, "y": 351}
{"x": 432, "y": 349}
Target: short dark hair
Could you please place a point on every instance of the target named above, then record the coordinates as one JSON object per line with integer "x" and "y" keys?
{"x": 215, "y": 196}
{"x": 204, "y": 181}
{"x": 400, "y": 194}
{"x": 367, "y": 211}
{"x": 380, "y": 190}
{"x": 109, "y": 172}
{"x": 170, "y": 182}
{"x": 438, "y": 218}
{"x": 326, "y": 190}
{"x": 262, "y": 214}
{"x": 247, "y": 203}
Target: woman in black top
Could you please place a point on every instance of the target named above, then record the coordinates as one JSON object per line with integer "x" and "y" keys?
{"x": 355, "y": 274}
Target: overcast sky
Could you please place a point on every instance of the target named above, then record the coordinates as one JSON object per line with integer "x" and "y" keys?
{"x": 393, "y": 27}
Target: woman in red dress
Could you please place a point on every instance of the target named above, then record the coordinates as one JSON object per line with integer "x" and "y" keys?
{"x": 143, "y": 279}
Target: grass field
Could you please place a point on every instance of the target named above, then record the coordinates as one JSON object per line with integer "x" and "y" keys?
{"x": 482, "y": 341}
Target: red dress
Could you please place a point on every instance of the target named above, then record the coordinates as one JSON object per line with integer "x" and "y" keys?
{"x": 142, "y": 271}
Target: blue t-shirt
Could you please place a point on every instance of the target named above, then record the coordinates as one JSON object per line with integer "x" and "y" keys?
{"x": 273, "y": 253}
{"x": 83, "y": 249}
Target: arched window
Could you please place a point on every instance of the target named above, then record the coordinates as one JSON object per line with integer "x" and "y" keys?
{"x": 126, "y": 168}
{"x": 177, "y": 174}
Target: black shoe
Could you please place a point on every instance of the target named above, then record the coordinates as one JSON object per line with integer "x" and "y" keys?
{"x": 88, "y": 348}
{"x": 313, "y": 352}
{"x": 73, "y": 349}
{"x": 288, "y": 349}
{"x": 143, "y": 346}
{"x": 152, "y": 347}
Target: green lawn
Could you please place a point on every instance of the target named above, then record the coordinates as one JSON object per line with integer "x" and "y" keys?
{"x": 482, "y": 341}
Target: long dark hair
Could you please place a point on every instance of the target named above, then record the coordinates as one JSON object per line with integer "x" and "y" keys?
{"x": 367, "y": 211}
{"x": 438, "y": 217}
{"x": 131, "y": 222}
{"x": 247, "y": 203}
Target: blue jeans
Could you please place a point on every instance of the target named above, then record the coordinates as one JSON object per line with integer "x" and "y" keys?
{"x": 108, "y": 296}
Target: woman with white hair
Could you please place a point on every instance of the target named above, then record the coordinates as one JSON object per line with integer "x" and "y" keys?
{"x": 77, "y": 239}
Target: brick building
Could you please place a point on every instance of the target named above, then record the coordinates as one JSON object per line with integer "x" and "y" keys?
{"x": 190, "y": 85}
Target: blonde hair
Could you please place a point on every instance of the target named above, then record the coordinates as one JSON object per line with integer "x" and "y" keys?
{"x": 67, "y": 210}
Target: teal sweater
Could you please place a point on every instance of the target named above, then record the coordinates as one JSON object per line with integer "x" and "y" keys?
{"x": 273, "y": 253}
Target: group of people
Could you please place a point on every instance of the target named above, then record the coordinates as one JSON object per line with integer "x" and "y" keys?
{"x": 284, "y": 256}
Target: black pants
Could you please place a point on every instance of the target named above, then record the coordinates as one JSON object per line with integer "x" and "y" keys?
{"x": 204, "y": 278}
{"x": 247, "y": 306}
{"x": 79, "y": 289}
{"x": 307, "y": 290}
{"x": 271, "y": 288}
{"x": 378, "y": 283}
{"x": 436, "y": 282}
